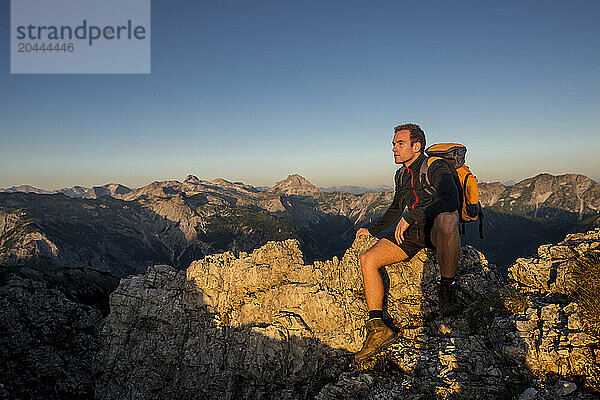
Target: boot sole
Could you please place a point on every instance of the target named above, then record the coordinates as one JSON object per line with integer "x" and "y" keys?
{"x": 379, "y": 349}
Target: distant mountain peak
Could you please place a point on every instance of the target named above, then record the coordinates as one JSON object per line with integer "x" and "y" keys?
{"x": 221, "y": 181}
{"x": 192, "y": 179}
{"x": 295, "y": 185}
{"x": 112, "y": 189}
{"x": 27, "y": 189}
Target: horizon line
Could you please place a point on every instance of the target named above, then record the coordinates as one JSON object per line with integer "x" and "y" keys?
{"x": 506, "y": 182}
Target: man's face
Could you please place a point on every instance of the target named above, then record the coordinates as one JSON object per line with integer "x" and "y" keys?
{"x": 404, "y": 151}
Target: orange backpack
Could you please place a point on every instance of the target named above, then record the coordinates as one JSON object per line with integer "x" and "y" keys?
{"x": 466, "y": 182}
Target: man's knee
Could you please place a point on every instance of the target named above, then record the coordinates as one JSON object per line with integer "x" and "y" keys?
{"x": 369, "y": 260}
{"x": 446, "y": 223}
{"x": 366, "y": 261}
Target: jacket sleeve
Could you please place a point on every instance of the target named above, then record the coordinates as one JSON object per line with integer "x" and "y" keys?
{"x": 393, "y": 212}
{"x": 446, "y": 194}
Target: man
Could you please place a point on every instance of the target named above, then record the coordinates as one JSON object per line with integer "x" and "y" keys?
{"x": 431, "y": 220}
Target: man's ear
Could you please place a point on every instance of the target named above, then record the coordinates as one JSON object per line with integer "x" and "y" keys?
{"x": 417, "y": 147}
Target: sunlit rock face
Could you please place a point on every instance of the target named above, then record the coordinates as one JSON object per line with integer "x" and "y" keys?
{"x": 266, "y": 325}
{"x": 550, "y": 331}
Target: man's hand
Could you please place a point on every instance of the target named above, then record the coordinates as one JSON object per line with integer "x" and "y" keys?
{"x": 400, "y": 229}
{"x": 361, "y": 232}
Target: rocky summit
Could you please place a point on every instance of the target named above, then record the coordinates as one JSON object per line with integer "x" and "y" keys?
{"x": 295, "y": 185}
{"x": 266, "y": 325}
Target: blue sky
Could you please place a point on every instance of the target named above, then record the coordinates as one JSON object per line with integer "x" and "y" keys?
{"x": 256, "y": 90}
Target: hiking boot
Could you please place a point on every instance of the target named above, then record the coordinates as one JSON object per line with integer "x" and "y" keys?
{"x": 379, "y": 336}
{"x": 448, "y": 304}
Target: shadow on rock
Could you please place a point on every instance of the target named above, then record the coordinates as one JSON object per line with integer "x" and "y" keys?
{"x": 163, "y": 340}
{"x": 49, "y": 331}
{"x": 266, "y": 325}
{"x": 546, "y": 332}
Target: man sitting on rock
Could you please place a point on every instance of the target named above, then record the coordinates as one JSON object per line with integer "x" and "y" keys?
{"x": 431, "y": 220}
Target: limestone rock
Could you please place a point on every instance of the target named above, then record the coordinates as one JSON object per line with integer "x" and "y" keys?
{"x": 266, "y": 324}
{"x": 549, "y": 271}
{"x": 564, "y": 388}
{"x": 47, "y": 342}
{"x": 550, "y": 331}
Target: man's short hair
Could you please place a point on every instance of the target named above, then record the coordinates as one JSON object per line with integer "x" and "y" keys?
{"x": 416, "y": 133}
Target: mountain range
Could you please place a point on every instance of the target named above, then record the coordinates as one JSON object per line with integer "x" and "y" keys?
{"x": 79, "y": 192}
{"x": 113, "y": 228}
{"x": 112, "y": 189}
{"x": 552, "y": 198}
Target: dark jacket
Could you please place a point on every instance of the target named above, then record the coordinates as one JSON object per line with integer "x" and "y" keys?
{"x": 423, "y": 205}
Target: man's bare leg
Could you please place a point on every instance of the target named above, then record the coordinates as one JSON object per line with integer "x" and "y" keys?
{"x": 379, "y": 335}
{"x": 381, "y": 254}
{"x": 446, "y": 239}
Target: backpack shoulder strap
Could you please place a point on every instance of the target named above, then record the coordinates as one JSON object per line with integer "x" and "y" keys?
{"x": 423, "y": 174}
{"x": 425, "y": 167}
{"x": 430, "y": 160}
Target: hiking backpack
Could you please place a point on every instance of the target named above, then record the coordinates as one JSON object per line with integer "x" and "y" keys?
{"x": 466, "y": 182}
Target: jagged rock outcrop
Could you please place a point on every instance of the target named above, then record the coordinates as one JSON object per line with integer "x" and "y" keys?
{"x": 48, "y": 337}
{"x": 550, "y": 336}
{"x": 266, "y": 325}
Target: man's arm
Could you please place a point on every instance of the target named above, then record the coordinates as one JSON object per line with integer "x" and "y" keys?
{"x": 390, "y": 216}
{"x": 393, "y": 212}
{"x": 446, "y": 199}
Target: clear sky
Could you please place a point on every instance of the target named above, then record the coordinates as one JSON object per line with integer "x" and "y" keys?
{"x": 256, "y": 90}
